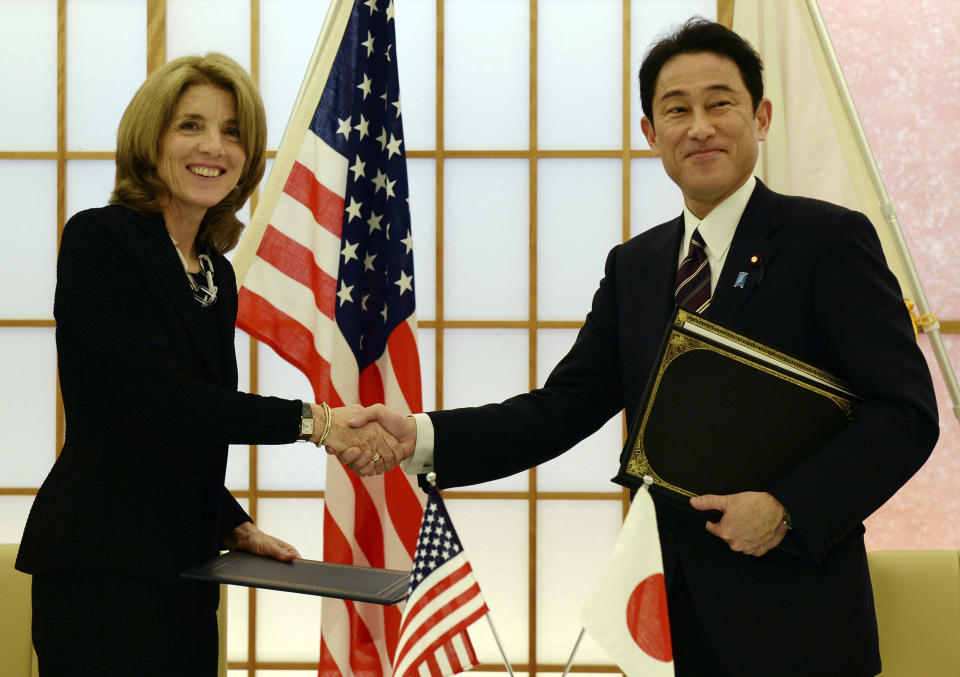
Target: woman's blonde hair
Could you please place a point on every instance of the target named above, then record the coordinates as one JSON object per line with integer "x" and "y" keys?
{"x": 137, "y": 183}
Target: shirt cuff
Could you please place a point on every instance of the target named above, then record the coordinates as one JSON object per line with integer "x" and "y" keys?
{"x": 422, "y": 459}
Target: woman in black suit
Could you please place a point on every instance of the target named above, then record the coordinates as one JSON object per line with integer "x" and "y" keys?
{"x": 145, "y": 309}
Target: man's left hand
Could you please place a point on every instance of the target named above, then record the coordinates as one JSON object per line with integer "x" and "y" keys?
{"x": 752, "y": 521}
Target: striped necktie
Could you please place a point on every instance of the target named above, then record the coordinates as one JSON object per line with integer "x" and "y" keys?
{"x": 693, "y": 277}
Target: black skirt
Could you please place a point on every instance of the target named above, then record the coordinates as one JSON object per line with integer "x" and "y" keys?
{"x": 104, "y": 624}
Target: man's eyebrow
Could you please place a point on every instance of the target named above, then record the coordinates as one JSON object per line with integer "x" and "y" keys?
{"x": 719, "y": 87}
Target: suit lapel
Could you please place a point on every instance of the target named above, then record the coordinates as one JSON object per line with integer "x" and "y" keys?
{"x": 752, "y": 249}
{"x": 162, "y": 255}
{"x": 663, "y": 268}
{"x": 652, "y": 267}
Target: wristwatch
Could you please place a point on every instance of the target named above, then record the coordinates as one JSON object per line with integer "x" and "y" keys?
{"x": 306, "y": 422}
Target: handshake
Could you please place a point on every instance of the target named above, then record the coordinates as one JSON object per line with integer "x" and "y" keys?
{"x": 367, "y": 440}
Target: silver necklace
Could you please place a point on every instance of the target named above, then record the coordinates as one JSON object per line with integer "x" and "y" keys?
{"x": 205, "y": 294}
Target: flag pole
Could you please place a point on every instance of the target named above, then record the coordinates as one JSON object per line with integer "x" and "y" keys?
{"x": 496, "y": 638}
{"x": 886, "y": 206}
{"x": 314, "y": 80}
{"x": 566, "y": 669}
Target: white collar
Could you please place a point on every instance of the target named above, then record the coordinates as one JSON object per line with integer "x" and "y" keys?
{"x": 718, "y": 227}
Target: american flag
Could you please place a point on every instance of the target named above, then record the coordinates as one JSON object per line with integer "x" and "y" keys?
{"x": 444, "y": 600}
{"x": 327, "y": 270}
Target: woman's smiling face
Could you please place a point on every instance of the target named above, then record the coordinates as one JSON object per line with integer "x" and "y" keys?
{"x": 201, "y": 154}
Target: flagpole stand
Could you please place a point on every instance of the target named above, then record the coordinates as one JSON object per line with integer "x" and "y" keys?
{"x": 566, "y": 669}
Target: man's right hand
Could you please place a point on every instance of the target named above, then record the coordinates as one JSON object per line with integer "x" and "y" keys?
{"x": 400, "y": 426}
{"x": 367, "y": 449}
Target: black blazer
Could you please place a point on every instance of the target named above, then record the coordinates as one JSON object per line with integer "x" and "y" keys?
{"x": 822, "y": 292}
{"x": 149, "y": 384}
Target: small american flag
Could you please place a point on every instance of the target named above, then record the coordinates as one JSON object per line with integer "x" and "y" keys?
{"x": 327, "y": 270}
{"x": 444, "y": 600}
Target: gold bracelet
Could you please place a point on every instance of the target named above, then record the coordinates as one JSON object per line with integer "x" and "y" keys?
{"x": 326, "y": 423}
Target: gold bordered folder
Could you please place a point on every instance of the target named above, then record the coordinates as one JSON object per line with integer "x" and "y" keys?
{"x": 310, "y": 577}
{"x": 723, "y": 413}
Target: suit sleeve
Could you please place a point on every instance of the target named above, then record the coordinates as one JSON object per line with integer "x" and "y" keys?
{"x": 478, "y": 444}
{"x": 120, "y": 330}
{"x": 862, "y": 323}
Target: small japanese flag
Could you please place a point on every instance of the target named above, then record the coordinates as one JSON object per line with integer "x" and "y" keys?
{"x": 626, "y": 612}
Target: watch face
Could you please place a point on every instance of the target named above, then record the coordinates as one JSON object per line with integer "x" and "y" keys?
{"x": 306, "y": 426}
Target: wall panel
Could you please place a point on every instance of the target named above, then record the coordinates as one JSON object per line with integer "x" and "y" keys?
{"x": 526, "y": 165}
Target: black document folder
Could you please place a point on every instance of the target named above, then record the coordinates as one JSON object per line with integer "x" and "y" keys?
{"x": 310, "y": 577}
{"x": 723, "y": 413}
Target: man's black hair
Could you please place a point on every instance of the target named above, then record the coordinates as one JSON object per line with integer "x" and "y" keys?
{"x": 695, "y": 36}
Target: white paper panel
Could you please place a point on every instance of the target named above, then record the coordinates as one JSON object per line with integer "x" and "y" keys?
{"x": 579, "y": 90}
{"x": 268, "y": 166}
{"x": 580, "y": 208}
{"x": 654, "y": 198}
{"x": 589, "y": 465}
{"x": 106, "y": 63}
{"x": 648, "y": 20}
{"x": 486, "y": 74}
{"x": 426, "y": 346}
{"x": 28, "y": 366}
{"x": 287, "y": 466}
{"x": 209, "y": 26}
{"x": 238, "y": 613}
{"x": 422, "y": 179}
{"x": 416, "y": 27}
{"x": 29, "y": 232}
{"x": 244, "y": 215}
{"x": 296, "y": 466}
{"x": 288, "y": 626}
{"x": 241, "y": 342}
{"x": 298, "y": 521}
{"x": 574, "y": 539}
{"x": 495, "y": 537}
{"x": 552, "y": 345}
{"x": 89, "y": 184}
{"x": 288, "y": 33}
{"x": 28, "y": 61}
{"x": 238, "y": 468}
{"x": 486, "y": 231}
{"x": 13, "y": 516}
{"x": 238, "y": 459}
{"x": 481, "y": 366}
{"x": 484, "y": 365}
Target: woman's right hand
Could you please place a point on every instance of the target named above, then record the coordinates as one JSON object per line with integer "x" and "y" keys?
{"x": 366, "y": 450}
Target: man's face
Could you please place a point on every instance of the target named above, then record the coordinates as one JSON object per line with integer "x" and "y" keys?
{"x": 704, "y": 127}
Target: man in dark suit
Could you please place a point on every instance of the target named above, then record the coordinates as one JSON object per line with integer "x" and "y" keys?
{"x": 805, "y": 276}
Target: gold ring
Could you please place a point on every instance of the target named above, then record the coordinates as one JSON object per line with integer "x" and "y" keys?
{"x": 376, "y": 457}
